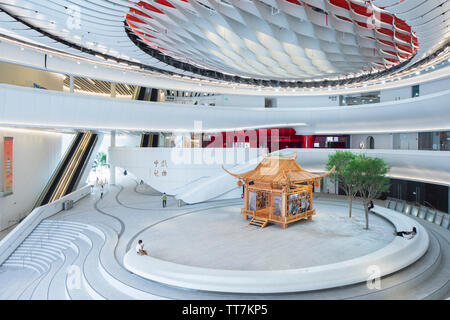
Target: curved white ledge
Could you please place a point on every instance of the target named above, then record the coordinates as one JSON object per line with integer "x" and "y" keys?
{"x": 28, "y": 107}
{"x": 397, "y": 255}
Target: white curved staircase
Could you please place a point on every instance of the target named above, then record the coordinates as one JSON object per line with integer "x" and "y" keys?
{"x": 56, "y": 246}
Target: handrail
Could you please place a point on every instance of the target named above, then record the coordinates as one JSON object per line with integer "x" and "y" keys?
{"x": 417, "y": 204}
{"x": 430, "y": 205}
{"x": 13, "y": 239}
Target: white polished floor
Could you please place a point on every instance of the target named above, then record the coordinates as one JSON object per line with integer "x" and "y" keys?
{"x": 210, "y": 235}
{"x": 220, "y": 238}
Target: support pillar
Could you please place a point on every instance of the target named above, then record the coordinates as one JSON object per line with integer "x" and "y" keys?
{"x": 72, "y": 90}
{"x": 113, "y": 90}
{"x": 112, "y": 167}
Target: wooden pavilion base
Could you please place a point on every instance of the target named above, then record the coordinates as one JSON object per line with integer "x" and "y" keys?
{"x": 279, "y": 221}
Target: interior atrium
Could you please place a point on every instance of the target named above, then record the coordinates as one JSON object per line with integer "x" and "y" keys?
{"x": 225, "y": 150}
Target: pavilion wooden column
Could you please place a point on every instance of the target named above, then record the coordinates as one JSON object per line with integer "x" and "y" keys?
{"x": 245, "y": 200}
{"x": 284, "y": 205}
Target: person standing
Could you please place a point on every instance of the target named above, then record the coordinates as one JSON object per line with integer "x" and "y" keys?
{"x": 164, "y": 200}
{"x": 101, "y": 192}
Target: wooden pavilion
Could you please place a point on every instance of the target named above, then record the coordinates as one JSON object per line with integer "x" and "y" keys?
{"x": 278, "y": 190}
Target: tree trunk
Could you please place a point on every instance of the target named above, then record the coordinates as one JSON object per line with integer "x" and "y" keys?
{"x": 366, "y": 212}
{"x": 350, "y": 199}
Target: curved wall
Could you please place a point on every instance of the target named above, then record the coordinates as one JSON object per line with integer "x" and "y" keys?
{"x": 27, "y": 77}
{"x": 100, "y": 69}
{"x": 203, "y": 180}
{"x": 27, "y": 107}
{"x": 425, "y": 166}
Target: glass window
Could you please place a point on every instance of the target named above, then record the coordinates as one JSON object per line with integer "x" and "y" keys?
{"x": 415, "y": 91}
{"x": 277, "y": 205}
{"x": 252, "y": 201}
{"x": 357, "y": 99}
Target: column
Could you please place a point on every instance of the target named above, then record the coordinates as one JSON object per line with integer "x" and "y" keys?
{"x": 112, "y": 167}
{"x": 72, "y": 90}
{"x": 113, "y": 90}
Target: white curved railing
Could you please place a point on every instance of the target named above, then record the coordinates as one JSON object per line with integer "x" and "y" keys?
{"x": 397, "y": 255}
{"x": 13, "y": 239}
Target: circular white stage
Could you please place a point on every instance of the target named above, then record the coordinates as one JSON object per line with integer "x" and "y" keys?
{"x": 222, "y": 239}
{"x": 216, "y": 250}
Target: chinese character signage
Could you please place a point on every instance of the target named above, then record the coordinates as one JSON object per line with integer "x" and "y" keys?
{"x": 7, "y": 165}
{"x": 160, "y": 169}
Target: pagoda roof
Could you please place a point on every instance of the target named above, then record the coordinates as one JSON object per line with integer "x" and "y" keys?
{"x": 280, "y": 170}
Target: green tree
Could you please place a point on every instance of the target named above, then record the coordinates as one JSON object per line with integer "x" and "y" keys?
{"x": 341, "y": 159}
{"x": 100, "y": 160}
{"x": 368, "y": 175}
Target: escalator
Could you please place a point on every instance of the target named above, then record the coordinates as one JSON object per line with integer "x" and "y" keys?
{"x": 69, "y": 171}
{"x": 146, "y": 94}
{"x": 149, "y": 140}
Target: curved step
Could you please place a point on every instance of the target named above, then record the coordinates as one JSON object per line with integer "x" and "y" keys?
{"x": 61, "y": 233}
{"x": 41, "y": 251}
{"x": 58, "y": 222}
{"x": 92, "y": 274}
{"x": 84, "y": 291}
{"x": 62, "y": 244}
{"x": 40, "y": 290}
{"x": 54, "y": 227}
{"x": 114, "y": 273}
{"x": 33, "y": 256}
{"x": 48, "y": 246}
{"x": 35, "y": 265}
{"x": 56, "y": 288}
{"x": 52, "y": 237}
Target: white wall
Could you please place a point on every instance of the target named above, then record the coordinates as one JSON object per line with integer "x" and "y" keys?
{"x": 182, "y": 166}
{"x": 35, "y": 157}
{"x": 312, "y": 101}
{"x": 49, "y": 109}
{"x": 415, "y": 165}
{"x": 400, "y": 93}
{"x": 434, "y": 86}
{"x": 382, "y": 141}
{"x": 238, "y": 101}
{"x": 396, "y": 94}
{"x": 202, "y": 178}
{"x": 27, "y": 77}
{"x": 406, "y": 141}
{"x": 12, "y": 52}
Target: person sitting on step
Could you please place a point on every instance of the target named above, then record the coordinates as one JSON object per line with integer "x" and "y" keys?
{"x": 140, "y": 249}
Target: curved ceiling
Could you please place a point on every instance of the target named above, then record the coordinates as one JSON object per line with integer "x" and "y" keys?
{"x": 264, "y": 39}
{"x": 284, "y": 39}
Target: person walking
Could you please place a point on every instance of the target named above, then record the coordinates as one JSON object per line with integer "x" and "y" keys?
{"x": 164, "y": 200}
